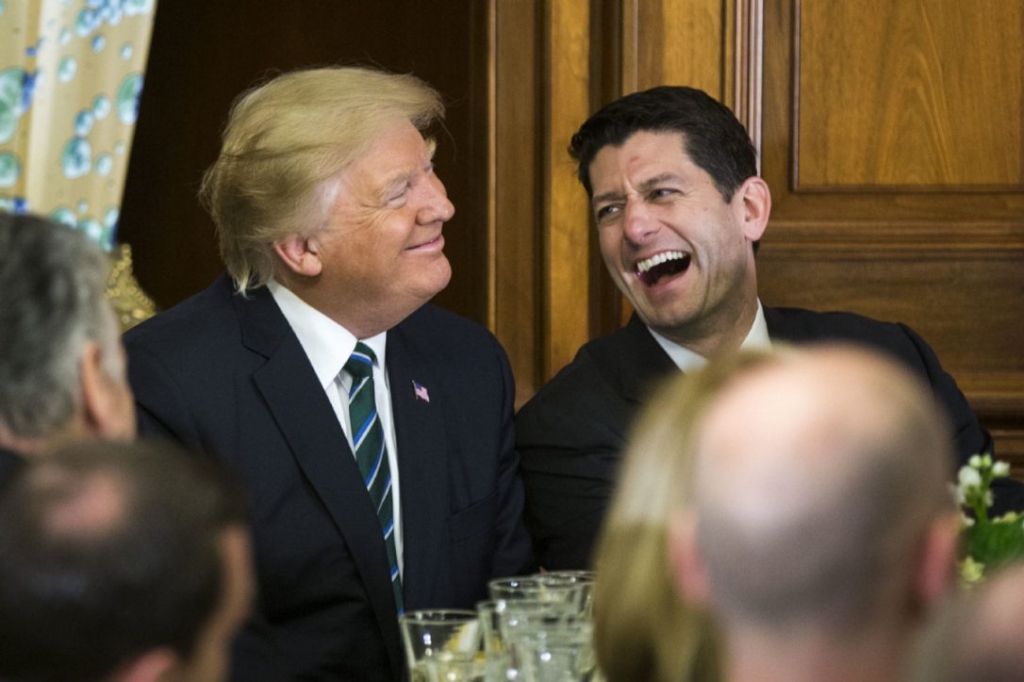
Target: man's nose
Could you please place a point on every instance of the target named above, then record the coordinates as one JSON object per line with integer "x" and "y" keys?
{"x": 638, "y": 223}
{"x": 437, "y": 206}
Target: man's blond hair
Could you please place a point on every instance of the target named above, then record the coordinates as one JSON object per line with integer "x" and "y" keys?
{"x": 283, "y": 143}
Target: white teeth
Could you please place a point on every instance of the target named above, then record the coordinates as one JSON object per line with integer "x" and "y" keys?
{"x": 657, "y": 259}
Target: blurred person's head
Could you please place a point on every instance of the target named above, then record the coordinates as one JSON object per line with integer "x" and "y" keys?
{"x": 679, "y": 208}
{"x": 121, "y": 562}
{"x": 62, "y": 366}
{"x": 642, "y": 630}
{"x": 977, "y": 635}
{"x": 823, "y": 515}
{"x": 325, "y": 183}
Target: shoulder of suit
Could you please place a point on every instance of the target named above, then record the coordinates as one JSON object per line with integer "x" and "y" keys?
{"x": 435, "y": 323}
{"x": 782, "y": 321}
{"x": 595, "y": 373}
{"x": 201, "y": 319}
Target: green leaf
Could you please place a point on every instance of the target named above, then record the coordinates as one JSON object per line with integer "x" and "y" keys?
{"x": 994, "y": 543}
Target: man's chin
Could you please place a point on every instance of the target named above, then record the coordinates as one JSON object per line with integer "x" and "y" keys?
{"x": 440, "y": 275}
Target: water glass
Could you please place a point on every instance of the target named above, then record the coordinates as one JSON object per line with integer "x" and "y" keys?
{"x": 442, "y": 645}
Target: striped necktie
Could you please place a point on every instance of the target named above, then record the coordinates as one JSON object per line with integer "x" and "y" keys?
{"x": 371, "y": 452}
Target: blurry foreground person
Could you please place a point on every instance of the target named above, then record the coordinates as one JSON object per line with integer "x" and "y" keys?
{"x": 977, "y": 636}
{"x": 121, "y": 563}
{"x": 62, "y": 366}
{"x": 823, "y": 526}
{"x": 642, "y": 630}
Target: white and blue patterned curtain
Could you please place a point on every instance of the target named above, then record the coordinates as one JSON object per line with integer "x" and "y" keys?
{"x": 71, "y": 72}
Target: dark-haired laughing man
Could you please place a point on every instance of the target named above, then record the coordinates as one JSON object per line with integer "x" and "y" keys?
{"x": 679, "y": 208}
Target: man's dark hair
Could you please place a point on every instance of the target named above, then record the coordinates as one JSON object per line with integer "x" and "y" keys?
{"x": 712, "y": 136}
{"x": 108, "y": 551}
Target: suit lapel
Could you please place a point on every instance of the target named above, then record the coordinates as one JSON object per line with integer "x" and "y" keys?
{"x": 295, "y": 399}
{"x": 632, "y": 360}
{"x": 422, "y": 462}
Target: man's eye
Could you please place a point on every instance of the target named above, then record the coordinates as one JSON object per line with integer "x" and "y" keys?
{"x": 661, "y": 192}
{"x": 604, "y": 212}
{"x": 398, "y": 196}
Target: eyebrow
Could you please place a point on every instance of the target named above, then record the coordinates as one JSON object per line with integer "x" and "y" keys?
{"x": 403, "y": 176}
{"x": 395, "y": 181}
{"x": 646, "y": 185}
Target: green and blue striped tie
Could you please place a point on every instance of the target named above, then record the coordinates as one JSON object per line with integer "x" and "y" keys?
{"x": 371, "y": 452}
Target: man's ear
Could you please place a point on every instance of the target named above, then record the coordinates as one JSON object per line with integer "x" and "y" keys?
{"x": 300, "y": 254}
{"x": 155, "y": 665}
{"x": 108, "y": 410}
{"x": 755, "y": 201}
{"x": 688, "y": 571}
{"x": 935, "y": 575}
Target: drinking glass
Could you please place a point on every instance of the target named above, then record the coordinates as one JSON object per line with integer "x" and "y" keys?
{"x": 559, "y": 650}
{"x": 572, "y": 594}
{"x": 442, "y": 645}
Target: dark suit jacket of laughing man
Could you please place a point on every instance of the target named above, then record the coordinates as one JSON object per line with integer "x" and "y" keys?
{"x": 255, "y": 378}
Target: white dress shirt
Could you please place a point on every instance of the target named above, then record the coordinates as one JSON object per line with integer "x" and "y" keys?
{"x": 688, "y": 361}
{"x": 328, "y": 346}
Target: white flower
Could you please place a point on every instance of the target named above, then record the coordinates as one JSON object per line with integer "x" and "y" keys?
{"x": 1000, "y": 469}
{"x": 969, "y": 477}
{"x": 974, "y": 462}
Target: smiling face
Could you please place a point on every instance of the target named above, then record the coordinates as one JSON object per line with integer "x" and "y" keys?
{"x": 676, "y": 249}
{"x": 381, "y": 255}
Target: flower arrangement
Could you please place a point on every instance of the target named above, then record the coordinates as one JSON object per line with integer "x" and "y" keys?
{"x": 988, "y": 542}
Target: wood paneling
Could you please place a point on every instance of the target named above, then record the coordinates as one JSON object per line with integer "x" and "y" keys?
{"x": 892, "y": 144}
{"x": 515, "y": 217}
{"x": 542, "y": 85}
{"x": 566, "y": 236}
{"x": 932, "y": 102}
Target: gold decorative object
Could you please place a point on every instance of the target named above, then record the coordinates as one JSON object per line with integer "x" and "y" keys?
{"x": 130, "y": 302}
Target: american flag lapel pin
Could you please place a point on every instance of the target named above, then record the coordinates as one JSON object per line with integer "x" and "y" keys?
{"x": 420, "y": 391}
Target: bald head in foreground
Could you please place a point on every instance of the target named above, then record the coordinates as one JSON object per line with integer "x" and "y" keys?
{"x": 823, "y": 526}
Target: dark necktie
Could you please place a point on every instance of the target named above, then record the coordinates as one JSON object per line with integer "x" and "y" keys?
{"x": 371, "y": 452}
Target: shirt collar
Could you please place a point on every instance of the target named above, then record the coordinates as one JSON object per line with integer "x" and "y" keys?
{"x": 326, "y": 343}
{"x": 688, "y": 361}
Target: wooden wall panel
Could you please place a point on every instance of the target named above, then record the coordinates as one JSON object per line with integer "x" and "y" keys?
{"x": 676, "y": 42}
{"x": 566, "y": 237}
{"x": 515, "y": 216}
{"x": 891, "y": 140}
{"x": 541, "y": 81}
{"x": 922, "y": 104}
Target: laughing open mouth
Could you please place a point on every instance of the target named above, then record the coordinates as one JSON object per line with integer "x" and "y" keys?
{"x": 661, "y": 266}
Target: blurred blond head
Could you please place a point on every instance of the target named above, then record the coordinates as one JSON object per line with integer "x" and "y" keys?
{"x": 642, "y": 630}
{"x": 284, "y": 144}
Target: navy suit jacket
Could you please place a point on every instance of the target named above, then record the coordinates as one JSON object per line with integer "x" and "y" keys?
{"x": 570, "y": 435}
{"x": 224, "y": 374}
